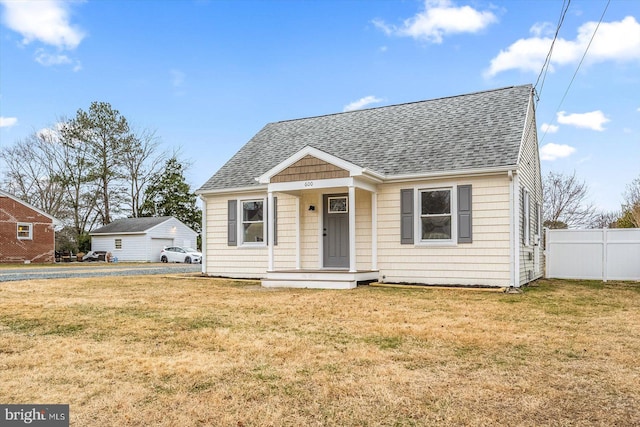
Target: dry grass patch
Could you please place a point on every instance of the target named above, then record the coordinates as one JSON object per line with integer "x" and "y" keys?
{"x": 164, "y": 351}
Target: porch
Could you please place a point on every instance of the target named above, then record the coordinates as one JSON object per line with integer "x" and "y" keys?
{"x": 318, "y": 279}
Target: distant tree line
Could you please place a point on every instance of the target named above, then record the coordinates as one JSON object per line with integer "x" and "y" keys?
{"x": 567, "y": 205}
{"x": 94, "y": 168}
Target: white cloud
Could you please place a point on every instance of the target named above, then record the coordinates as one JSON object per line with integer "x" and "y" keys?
{"x": 614, "y": 41}
{"x": 361, "y": 103}
{"x": 49, "y": 59}
{"x": 7, "y": 122}
{"x": 592, "y": 120}
{"x": 547, "y": 128}
{"x": 542, "y": 29}
{"x": 46, "y": 21}
{"x": 177, "y": 81}
{"x": 440, "y": 18}
{"x": 553, "y": 151}
{"x": 177, "y": 78}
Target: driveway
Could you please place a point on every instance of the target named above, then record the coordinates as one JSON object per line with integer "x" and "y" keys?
{"x": 59, "y": 271}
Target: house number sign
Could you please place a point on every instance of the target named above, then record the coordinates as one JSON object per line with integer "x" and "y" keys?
{"x": 308, "y": 183}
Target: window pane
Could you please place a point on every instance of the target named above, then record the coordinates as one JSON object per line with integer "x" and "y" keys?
{"x": 436, "y": 202}
{"x": 436, "y": 227}
{"x": 253, "y": 232}
{"x": 338, "y": 204}
{"x": 252, "y": 211}
{"x": 24, "y": 231}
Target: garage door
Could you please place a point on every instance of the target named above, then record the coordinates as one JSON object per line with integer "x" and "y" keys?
{"x": 156, "y": 246}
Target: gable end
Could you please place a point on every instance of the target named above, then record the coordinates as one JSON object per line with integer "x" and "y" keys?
{"x": 310, "y": 168}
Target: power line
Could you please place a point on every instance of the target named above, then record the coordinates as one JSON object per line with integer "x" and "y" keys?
{"x": 579, "y": 65}
{"x": 547, "y": 61}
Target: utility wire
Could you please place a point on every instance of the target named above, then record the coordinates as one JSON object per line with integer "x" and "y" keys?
{"x": 547, "y": 61}
{"x": 579, "y": 64}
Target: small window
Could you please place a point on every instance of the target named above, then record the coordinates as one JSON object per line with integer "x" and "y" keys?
{"x": 253, "y": 221}
{"x": 118, "y": 243}
{"x": 25, "y": 231}
{"x": 435, "y": 214}
{"x": 338, "y": 204}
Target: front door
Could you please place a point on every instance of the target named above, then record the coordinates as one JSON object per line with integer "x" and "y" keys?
{"x": 335, "y": 230}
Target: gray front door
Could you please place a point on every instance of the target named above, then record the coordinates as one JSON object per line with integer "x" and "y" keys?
{"x": 336, "y": 230}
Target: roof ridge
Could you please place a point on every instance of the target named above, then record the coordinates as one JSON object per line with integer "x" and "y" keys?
{"x": 403, "y": 103}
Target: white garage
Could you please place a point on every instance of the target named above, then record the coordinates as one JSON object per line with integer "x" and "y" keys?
{"x": 142, "y": 239}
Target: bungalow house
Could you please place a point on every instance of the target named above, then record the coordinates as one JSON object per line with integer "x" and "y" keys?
{"x": 442, "y": 192}
{"x": 26, "y": 233}
{"x": 142, "y": 239}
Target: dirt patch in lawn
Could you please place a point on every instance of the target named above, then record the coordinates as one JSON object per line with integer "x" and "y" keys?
{"x": 160, "y": 351}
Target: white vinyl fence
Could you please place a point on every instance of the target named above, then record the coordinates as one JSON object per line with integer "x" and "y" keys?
{"x": 607, "y": 254}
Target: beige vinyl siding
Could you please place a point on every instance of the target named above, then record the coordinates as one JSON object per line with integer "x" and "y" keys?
{"x": 363, "y": 230}
{"x": 529, "y": 179}
{"x": 485, "y": 261}
{"x": 284, "y": 253}
{"x": 230, "y": 261}
{"x": 310, "y": 248}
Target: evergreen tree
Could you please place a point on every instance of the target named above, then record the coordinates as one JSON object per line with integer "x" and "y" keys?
{"x": 169, "y": 194}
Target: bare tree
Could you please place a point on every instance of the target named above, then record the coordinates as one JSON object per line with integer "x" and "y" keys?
{"x": 32, "y": 173}
{"x": 566, "y": 201}
{"x": 141, "y": 164}
{"x": 631, "y": 205}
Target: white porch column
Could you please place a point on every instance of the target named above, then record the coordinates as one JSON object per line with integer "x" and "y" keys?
{"x": 374, "y": 231}
{"x": 270, "y": 229}
{"x": 352, "y": 229}
{"x": 298, "y": 234}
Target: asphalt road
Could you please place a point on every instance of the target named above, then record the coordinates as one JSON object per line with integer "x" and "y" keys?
{"x": 60, "y": 271}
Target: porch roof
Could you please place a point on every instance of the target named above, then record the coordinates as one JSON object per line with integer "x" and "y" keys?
{"x": 481, "y": 130}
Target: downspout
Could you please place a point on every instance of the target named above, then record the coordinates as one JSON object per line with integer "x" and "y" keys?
{"x": 514, "y": 195}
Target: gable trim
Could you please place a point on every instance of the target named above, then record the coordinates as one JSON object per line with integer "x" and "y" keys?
{"x": 354, "y": 170}
{"x": 54, "y": 220}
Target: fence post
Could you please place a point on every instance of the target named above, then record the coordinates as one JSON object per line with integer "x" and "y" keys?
{"x": 605, "y": 249}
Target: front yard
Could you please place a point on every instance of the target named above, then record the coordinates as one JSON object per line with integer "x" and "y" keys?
{"x": 192, "y": 351}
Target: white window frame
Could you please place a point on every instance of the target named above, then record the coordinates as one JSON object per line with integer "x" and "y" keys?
{"x": 526, "y": 223}
{"x": 241, "y": 222}
{"x": 453, "y": 212}
{"x": 24, "y": 224}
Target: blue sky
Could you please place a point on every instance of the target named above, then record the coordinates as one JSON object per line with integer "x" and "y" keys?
{"x": 207, "y": 75}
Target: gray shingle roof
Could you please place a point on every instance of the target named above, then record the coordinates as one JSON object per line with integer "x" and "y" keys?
{"x": 131, "y": 225}
{"x": 472, "y": 131}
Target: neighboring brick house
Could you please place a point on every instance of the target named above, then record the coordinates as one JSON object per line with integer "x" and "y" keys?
{"x": 26, "y": 233}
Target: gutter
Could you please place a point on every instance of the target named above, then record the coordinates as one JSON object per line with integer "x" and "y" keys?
{"x": 441, "y": 174}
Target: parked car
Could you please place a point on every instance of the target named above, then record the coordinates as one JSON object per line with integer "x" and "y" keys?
{"x": 180, "y": 254}
{"x": 95, "y": 256}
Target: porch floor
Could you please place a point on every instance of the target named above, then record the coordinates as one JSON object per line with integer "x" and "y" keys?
{"x": 318, "y": 279}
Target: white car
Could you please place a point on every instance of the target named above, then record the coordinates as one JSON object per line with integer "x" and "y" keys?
{"x": 180, "y": 254}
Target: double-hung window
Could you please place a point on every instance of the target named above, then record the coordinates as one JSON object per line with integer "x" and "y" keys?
{"x": 435, "y": 215}
{"x": 25, "y": 231}
{"x": 253, "y": 230}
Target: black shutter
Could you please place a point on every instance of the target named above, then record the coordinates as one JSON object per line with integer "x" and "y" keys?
{"x": 232, "y": 223}
{"x": 406, "y": 216}
{"x": 464, "y": 214}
